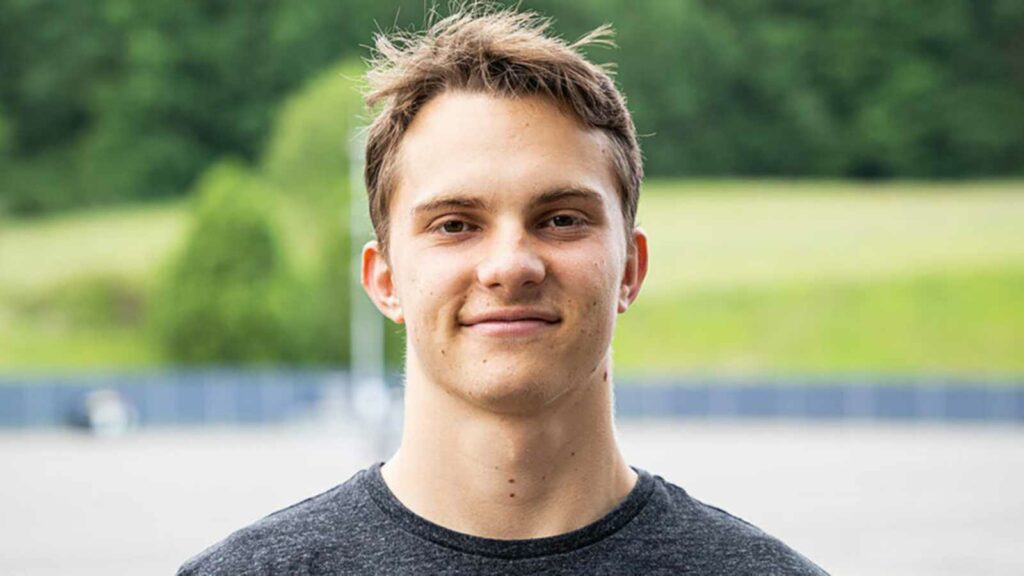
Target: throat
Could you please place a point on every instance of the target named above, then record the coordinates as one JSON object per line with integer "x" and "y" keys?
{"x": 503, "y": 500}
{"x": 508, "y": 475}
{"x": 507, "y": 480}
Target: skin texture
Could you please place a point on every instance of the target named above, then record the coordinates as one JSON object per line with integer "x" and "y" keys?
{"x": 508, "y": 262}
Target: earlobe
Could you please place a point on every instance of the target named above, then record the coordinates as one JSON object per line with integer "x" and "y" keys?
{"x": 379, "y": 284}
{"x": 636, "y": 270}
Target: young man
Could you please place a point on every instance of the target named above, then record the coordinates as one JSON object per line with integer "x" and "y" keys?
{"x": 503, "y": 174}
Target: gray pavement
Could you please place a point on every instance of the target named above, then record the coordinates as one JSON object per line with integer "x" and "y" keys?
{"x": 858, "y": 499}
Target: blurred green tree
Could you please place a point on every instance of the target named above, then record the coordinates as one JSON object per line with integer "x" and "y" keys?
{"x": 119, "y": 100}
{"x": 803, "y": 87}
{"x": 307, "y": 161}
{"x": 229, "y": 296}
{"x": 115, "y": 100}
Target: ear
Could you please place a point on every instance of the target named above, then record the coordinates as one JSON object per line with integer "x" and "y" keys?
{"x": 636, "y": 270}
{"x": 379, "y": 283}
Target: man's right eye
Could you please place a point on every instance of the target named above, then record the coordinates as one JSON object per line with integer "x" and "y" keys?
{"x": 454, "y": 227}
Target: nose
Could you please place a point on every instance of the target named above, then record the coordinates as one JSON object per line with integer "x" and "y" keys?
{"x": 511, "y": 262}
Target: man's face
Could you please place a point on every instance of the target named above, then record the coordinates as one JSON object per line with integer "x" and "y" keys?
{"x": 507, "y": 257}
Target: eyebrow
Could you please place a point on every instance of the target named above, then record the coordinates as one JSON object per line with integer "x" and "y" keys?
{"x": 456, "y": 200}
{"x": 448, "y": 201}
{"x": 569, "y": 193}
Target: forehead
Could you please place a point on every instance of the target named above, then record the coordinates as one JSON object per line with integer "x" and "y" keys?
{"x": 509, "y": 148}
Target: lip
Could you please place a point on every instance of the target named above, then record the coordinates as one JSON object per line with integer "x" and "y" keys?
{"x": 511, "y": 322}
{"x": 509, "y": 329}
{"x": 511, "y": 315}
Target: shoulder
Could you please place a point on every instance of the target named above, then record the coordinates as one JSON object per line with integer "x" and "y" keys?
{"x": 723, "y": 543}
{"x": 298, "y": 535}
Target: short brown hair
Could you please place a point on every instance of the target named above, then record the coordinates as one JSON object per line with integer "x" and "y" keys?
{"x": 495, "y": 51}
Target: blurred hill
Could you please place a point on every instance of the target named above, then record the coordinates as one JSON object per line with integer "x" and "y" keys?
{"x": 746, "y": 276}
{"x": 859, "y": 208}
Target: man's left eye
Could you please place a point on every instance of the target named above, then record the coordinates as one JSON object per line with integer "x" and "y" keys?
{"x": 563, "y": 221}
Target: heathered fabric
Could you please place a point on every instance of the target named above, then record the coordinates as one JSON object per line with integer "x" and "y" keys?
{"x": 359, "y": 527}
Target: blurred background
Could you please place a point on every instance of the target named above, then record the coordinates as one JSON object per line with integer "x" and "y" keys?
{"x": 830, "y": 342}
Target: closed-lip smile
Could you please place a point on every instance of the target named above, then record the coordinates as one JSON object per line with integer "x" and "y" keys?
{"x": 510, "y": 322}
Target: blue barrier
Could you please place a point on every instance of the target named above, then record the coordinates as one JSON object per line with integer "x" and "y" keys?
{"x": 172, "y": 398}
{"x": 236, "y": 397}
{"x": 961, "y": 400}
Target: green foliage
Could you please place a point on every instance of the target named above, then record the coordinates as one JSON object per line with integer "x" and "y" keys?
{"x": 36, "y": 186}
{"x": 95, "y": 320}
{"x": 329, "y": 294}
{"x": 93, "y": 301}
{"x": 117, "y": 99}
{"x": 307, "y": 160}
{"x": 784, "y": 87}
{"x": 307, "y": 153}
{"x": 229, "y": 296}
{"x": 5, "y": 136}
{"x": 98, "y": 301}
{"x": 306, "y": 167}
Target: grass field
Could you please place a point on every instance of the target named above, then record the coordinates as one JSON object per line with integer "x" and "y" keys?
{"x": 757, "y": 234}
{"x": 825, "y": 277}
{"x": 745, "y": 277}
{"x": 130, "y": 242}
{"x": 50, "y": 266}
{"x": 954, "y": 323}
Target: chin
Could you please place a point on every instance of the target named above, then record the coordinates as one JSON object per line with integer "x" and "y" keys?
{"x": 513, "y": 392}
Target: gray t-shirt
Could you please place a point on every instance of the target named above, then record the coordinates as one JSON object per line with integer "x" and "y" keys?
{"x": 359, "y": 527}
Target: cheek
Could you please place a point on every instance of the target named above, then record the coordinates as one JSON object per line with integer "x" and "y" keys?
{"x": 595, "y": 283}
{"x": 601, "y": 279}
{"x": 430, "y": 291}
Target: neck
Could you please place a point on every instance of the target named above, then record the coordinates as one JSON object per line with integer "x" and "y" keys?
{"x": 505, "y": 476}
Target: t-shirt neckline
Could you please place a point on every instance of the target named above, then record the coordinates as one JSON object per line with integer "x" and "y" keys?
{"x": 626, "y": 510}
